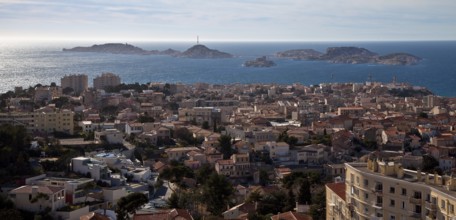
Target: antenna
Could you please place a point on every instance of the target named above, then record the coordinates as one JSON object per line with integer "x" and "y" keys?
{"x": 197, "y": 39}
{"x": 370, "y": 77}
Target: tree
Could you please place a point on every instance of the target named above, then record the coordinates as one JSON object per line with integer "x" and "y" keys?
{"x": 217, "y": 192}
{"x": 429, "y": 164}
{"x": 173, "y": 201}
{"x": 205, "y": 125}
{"x": 318, "y": 207}
{"x": 254, "y": 196}
{"x": 225, "y": 146}
{"x": 272, "y": 203}
{"x": 129, "y": 204}
{"x": 291, "y": 201}
{"x": 67, "y": 91}
{"x": 304, "y": 196}
{"x": 264, "y": 178}
{"x": 203, "y": 172}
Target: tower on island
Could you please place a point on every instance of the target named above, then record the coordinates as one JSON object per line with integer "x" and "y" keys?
{"x": 197, "y": 39}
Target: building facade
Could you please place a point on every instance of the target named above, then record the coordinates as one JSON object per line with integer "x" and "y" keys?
{"x": 78, "y": 83}
{"x": 385, "y": 190}
{"x": 106, "y": 79}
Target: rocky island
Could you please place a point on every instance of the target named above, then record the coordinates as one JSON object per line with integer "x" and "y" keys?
{"x": 200, "y": 51}
{"x": 351, "y": 55}
{"x": 114, "y": 48}
{"x": 197, "y": 51}
{"x": 259, "y": 62}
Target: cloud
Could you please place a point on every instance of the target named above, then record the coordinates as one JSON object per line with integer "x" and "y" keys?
{"x": 252, "y": 19}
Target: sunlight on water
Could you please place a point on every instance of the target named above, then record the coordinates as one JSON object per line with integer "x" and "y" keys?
{"x": 28, "y": 64}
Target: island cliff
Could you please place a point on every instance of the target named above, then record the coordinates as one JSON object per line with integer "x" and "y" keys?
{"x": 115, "y": 48}
{"x": 200, "y": 51}
{"x": 197, "y": 51}
{"x": 351, "y": 55}
{"x": 259, "y": 62}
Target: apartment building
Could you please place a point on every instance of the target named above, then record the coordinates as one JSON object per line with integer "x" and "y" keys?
{"x": 78, "y": 83}
{"x": 49, "y": 119}
{"x": 237, "y": 166}
{"x": 106, "y": 79}
{"x": 385, "y": 190}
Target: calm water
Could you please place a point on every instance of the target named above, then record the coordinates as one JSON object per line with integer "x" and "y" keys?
{"x": 29, "y": 64}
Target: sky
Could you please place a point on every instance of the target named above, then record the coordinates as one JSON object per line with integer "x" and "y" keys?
{"x": 228, "y": 20}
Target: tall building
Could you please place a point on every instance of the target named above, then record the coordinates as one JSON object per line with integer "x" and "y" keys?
{"x": 78, "y": 83}
{"x": 106, "y": 79}
{"x": 385, "y": 190}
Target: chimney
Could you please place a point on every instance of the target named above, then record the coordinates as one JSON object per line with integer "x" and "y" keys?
{"x": 418, "y": 175}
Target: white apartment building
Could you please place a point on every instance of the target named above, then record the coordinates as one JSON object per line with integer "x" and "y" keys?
{"x": 91, "y": 167}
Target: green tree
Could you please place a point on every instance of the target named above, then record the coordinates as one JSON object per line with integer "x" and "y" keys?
{"x": 205, "y": 125}
{"x": 318, "y": 207}
{"x": 128, "y": 205}
{"x": 291, "y": 201}
{"x": 429, "y": 164}
{"x": 203, "y": 172}
{"x": 264, "y": 177}
{"x": 304, "y": 196}
{"x": 173, "y": 201}
{"x": 216, "y": 193}
{"x": 254, "y": 196}
{"x": 272, "y": 203}
{"x": 225, "y": 146}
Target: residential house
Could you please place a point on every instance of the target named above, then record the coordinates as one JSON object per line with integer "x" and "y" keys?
{"x": 38, "y": 198}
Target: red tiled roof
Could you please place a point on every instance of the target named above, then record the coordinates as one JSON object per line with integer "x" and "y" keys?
{"x": 338, "y": 188}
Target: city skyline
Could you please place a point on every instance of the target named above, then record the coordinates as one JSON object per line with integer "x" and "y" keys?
{"x": 290, "y": 20}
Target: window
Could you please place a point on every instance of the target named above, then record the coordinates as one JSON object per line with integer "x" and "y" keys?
{"x": 392, "y": 190}
{"x": 403, "y": 205}
{"x": 366, "y": 195}
{"x": 392, "y": 217}
{"x": 392, "y": 202}
{"x": 442, "y": 204}
{"x": 404, "y": 191}
{"x": 366, "y": 182}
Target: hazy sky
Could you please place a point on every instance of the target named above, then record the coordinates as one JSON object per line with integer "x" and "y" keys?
{"x": 265, "y": 20}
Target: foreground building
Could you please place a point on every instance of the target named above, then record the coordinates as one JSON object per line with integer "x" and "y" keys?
{"x": 385, "y": 190}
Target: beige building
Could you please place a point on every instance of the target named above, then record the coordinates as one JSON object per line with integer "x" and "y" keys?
{"x": 106, "y": 79}
{"x": 385, "y": 190}
{"x": 46, "y": 119}
{"x": 237, "y": 166}
{"x": 78, "y": 83}
{"x": 50, "y": 119}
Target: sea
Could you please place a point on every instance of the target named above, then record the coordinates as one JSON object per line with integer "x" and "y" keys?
{"x": 31, "y": 63}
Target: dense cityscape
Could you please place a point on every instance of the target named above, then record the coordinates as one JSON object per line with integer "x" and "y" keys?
{"x": 238, "y": 151}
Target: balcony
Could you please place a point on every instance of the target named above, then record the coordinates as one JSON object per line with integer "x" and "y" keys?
{"x": 377, "y": 205}
{"x": 430, "y": 206}
{"x": 415, "y": 200}
{"x": 430, "y": 217}
{"x": 376, "y": 216}
{"x": 414, "y": 215}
